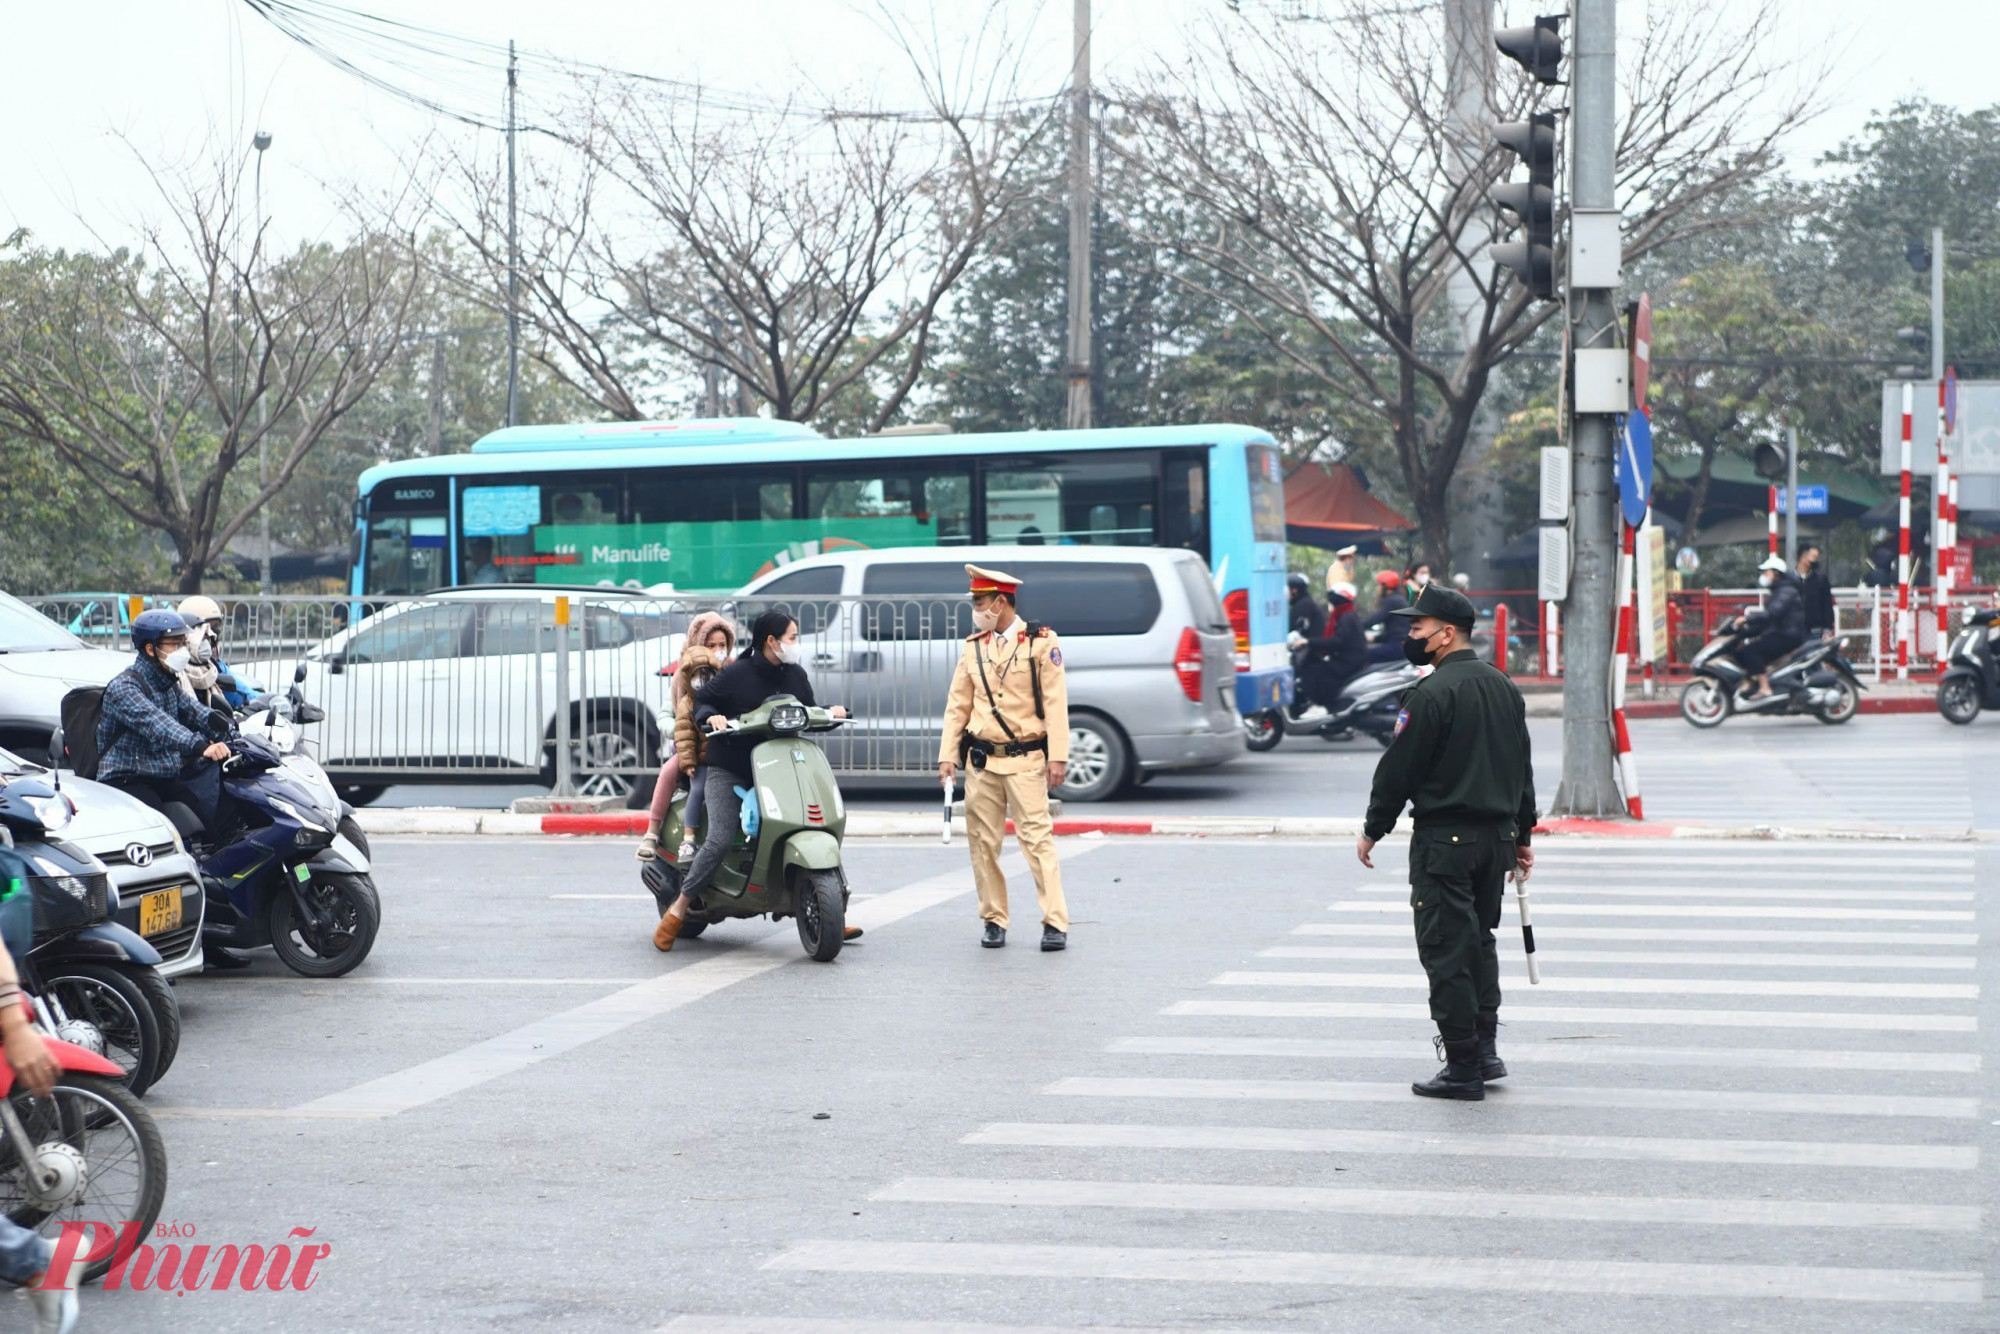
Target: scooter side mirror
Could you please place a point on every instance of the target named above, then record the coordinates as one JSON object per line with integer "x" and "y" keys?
{"x": 58, "y": 751}
{"x": 299, "y": 676}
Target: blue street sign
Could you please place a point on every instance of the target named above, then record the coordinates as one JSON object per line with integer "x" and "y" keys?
{"x": 1635, "y": 467}
{"x": 1812, "y": 500}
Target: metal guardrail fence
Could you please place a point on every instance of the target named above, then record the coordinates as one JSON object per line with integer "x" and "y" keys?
{"x": 562, "y": 688}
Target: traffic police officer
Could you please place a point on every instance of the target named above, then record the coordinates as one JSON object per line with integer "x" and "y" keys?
{"x": 1007, "y": 715}
{"x": 1460, "y": 759}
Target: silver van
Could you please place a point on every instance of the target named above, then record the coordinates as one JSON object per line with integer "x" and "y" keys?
{"x": 1147, "y": 650}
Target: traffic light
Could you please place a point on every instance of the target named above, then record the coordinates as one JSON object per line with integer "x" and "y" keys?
{"x": 1533, "y": 201}
{"x": 1538, "y": 50}
{"x": 1770, "y": 461}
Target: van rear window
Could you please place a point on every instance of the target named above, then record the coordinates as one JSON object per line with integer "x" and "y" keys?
{"x": 1070, "y": 597}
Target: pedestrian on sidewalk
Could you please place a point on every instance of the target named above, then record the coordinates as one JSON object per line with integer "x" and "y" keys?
{"x": 1816, "y": 592}
{"x": 1007, "y": 715}
{"x": 1460, "y": 760}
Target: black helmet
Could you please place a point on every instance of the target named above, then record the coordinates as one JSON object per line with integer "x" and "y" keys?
{"x": 1297, "y": 584}
{"x": 150, "y": 627}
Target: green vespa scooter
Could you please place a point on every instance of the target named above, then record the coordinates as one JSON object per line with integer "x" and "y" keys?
{"x": 791, "y": 868}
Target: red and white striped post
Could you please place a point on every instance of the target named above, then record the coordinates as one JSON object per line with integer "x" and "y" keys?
{"x": 1772, "y": 516}
{"x": 1903, "y": 626}
{"x": 1628, "y": 766}
{"x": 1500, "y": 635}
{"x": 1941, "y": 553}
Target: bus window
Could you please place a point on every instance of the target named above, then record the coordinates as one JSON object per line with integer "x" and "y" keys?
{"x": 407, "y": 536}
{"x": 1267, "y": 493}
{"x": 557, "y": 530}
{"x": 1184, "y": 507}
{"x": 1072, "y": 500}
{"x": 892, "y": 505}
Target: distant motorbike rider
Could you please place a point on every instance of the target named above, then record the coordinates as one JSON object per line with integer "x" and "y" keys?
{"x": 1784, "y": 624}
{"x": 152, "y": 736}
{"x": 1336, "y": 657}
{"x": 208, "y": 677}
{"x": 1388, "y": 601}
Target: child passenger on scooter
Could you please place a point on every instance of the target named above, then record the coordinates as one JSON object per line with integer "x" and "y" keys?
{"x": 711, "y": 639}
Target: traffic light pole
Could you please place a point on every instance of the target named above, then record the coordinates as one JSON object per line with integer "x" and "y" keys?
{"x": 1589, "y": 785}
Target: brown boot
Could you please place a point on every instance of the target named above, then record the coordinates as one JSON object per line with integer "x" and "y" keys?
{"x": 667, "y": 931}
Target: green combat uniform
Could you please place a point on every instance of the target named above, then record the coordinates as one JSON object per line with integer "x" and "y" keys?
{"x": 1460, "y": 760}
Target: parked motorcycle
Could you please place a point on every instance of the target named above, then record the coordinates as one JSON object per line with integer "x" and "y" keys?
{"x": 98, "y": 979}
{"x": 1813, "y": 679}
{"x": 790, "y": 866}
{"x": 1972, "y": 672}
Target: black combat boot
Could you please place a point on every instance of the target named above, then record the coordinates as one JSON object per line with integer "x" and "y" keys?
{"x": 1490, "y": 1064}
{"x": 1460, "y": 1076}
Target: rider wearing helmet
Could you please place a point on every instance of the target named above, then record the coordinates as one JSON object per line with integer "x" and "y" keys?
{"x": 152, "y": 737}
{"x": 1336, "y": 657}
{"x": 1302, "y": 616}
{"x": 208, "y": 677}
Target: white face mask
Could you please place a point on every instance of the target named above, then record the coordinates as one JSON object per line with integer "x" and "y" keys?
{"x": 790, "y": 652}
{"x": 1767, "y": 578}
{"x": 986, "y": 619}
{"x": 177, "y": 661}
{"x": 1420, "y": 579}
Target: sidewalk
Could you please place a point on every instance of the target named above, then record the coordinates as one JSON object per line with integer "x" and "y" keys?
{"x": 915, "y": 824}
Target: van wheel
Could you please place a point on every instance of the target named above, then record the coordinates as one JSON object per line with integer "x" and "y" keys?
{"x": 1100, "y": 761}
{"x": 363, "y": 794}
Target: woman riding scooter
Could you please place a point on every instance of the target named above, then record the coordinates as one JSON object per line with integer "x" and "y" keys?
{"x": 769, "y": 666}
{"x": 1784, "y": 626}
{"x": 710, "y": 641}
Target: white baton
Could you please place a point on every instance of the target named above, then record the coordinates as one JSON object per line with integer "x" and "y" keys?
{"x": 947, "y": 812}
{"x": 1527, "y": 927}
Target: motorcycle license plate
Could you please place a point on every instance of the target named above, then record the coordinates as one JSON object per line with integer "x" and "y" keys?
{"x": 159, "y": 912}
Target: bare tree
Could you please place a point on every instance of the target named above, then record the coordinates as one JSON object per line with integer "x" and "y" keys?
{"x": 157, "y": 372}
{"x": 1335, "y": 186}
{"x": 804, "y": 252}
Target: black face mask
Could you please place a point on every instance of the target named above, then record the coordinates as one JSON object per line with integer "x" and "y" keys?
{"x": 1417, "y": 651}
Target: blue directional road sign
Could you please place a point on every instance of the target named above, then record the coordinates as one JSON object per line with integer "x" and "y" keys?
{"x": 1635, "y": 467}
{"x": 1812, "y": 500}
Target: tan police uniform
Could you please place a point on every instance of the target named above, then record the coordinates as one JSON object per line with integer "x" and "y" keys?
{"x": 996, "y": 724}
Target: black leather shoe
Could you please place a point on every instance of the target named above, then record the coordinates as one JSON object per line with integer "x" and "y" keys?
{"x": 1490, "y": 1064}
{"x": 995, "y": 937}
{"x": 1053, "y": 940}
{"x": 216, "y": 958}
{"x": 1460, "y": 1077}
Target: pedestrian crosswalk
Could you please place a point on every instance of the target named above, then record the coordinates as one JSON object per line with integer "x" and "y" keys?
{"x": 1730, "y": 1135}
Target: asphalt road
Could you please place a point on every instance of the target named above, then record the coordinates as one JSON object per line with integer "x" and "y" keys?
{"x": 1750, "y": 1094}
{"x": 1894, "y": 769}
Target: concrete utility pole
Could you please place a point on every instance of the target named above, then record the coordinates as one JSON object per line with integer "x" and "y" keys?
{"x": 1792, "y": 499}
{"x": 513, "y": 261}
{"x": 1589, "y": 786}
{"x": 1937, "y": 303}
{"x": 1078, "y": 415}
{"x": 434, "y": 437}
{"x": 261, "y": 141}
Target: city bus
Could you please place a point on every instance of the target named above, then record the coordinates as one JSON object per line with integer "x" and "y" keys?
{"x": 707, "y": 506}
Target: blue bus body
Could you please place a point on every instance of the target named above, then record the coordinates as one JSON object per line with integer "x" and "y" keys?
{"x": 708, "y": 505}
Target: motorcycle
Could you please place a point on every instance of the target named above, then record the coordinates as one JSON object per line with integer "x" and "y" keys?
{"x": 275, "y": 720}
{"x": 1972, "y": 673}
{"x": 99, "y": 980}
{"x": 1814, "y": 679}
{"x": 788, "y": 864}
{"x": 90, "y": 1152}
{"x": 1368, "y": 705}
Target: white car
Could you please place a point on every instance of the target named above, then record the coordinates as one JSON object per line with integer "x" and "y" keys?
{"x": 461, "y": 686}
{"x": 157, "y": 881}
{"x": 40, "y": 662}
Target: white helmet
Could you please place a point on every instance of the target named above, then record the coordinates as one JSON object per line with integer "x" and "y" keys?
{"x": 201, "y": 608}
{"x": 1343, "y": 589}
{"x": 1773, "y": 562}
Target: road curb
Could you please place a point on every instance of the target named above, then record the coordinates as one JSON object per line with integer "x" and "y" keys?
{"x": 898, "y": 824}
{"x": 1667, "y": 708}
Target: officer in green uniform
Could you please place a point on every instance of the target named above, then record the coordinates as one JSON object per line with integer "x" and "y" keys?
{"x": 1460, "y": 760}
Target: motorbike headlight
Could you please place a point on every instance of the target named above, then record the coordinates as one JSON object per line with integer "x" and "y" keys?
{"x": 54, "y": 811}
{"x": 788, "y": 718}
{"x": 307, "y": 820}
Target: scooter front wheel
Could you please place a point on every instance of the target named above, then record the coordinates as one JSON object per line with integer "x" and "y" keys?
{"x": 349, "y": 912}
{"x": 1704, "y": 703}
{"x": 1263, "y": 731}
{"x": 822, "y": 913}
{"x": 101, "y": 1155}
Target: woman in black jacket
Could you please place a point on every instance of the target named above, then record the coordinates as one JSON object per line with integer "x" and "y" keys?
{"x": 769, "y": 666}
{"x": 1784, "y": 625}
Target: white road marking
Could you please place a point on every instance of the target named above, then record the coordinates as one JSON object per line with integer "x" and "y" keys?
{"x": 1670, "y": 883}
{"x": 606, "y": 898}
{"x": 1784, "y": 910}
{"x": 1589, "y": 1014}
{"x": 1630, "y": 1099}
{"x": 1719, "y": 936}
{"x": 786, "y": 1324}
{"x": 1641, "y": 986}
{"x": 1563, "y": 857}
{"x": 1459, "y": 1144}
{"x": 1650, "y": 958}
{"x": 1423, "y": 1272}
{"x": 469, "y": 1067}
{"x": 1571, "y": 1052}
{"x": 1537, "y": 887}
{"x": 1432, "y": 1203}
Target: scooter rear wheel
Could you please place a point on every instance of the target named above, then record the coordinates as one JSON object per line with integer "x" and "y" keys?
{"x": 822, "y": 913}
{"x": 1849, "y": 704}
{"x": 104, "y": 997}
{"x": 94, "y": 1123}
{"x": 1263, "y": 731}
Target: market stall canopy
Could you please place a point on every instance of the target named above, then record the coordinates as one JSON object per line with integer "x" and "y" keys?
{"x": 1734, "y": 484}
{"x": 1327, "y": 505}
